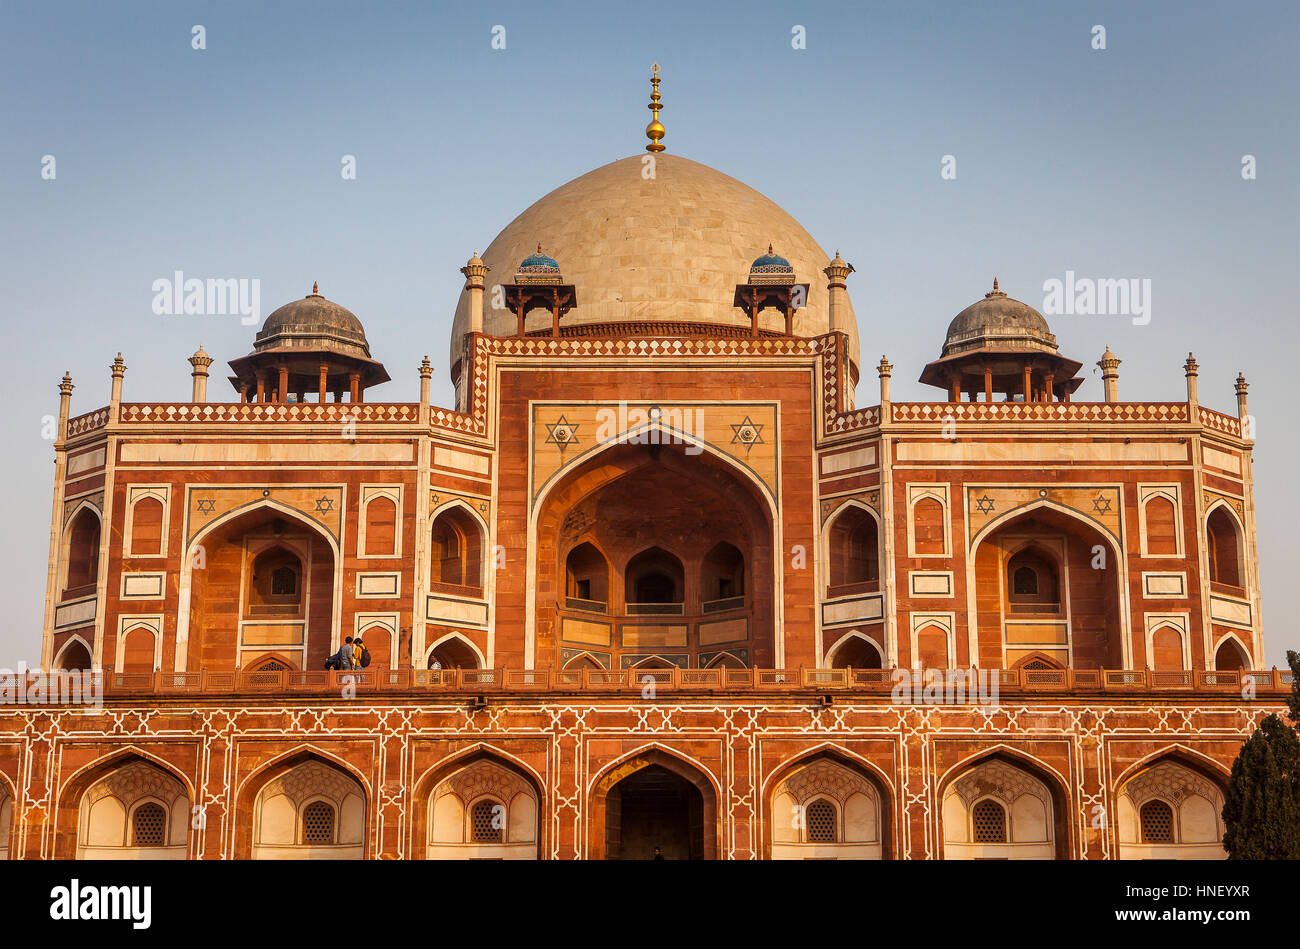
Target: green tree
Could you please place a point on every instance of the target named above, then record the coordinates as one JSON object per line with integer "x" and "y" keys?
{"x": 1262, "y": 808}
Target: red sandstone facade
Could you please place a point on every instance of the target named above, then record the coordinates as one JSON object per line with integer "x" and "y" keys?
{"x": 645, "y": 587}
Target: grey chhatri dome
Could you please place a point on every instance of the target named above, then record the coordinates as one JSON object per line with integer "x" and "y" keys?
{"x": 313, "y": 323}
{"x": 999, "y": 323}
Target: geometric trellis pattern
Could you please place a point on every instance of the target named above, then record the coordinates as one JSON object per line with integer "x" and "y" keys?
{"x": 826, "y": 778}
{"x": 999, "y": 779}
{"x": 1171, "y": 782}
{"x": 134, "y": 781}
{"x": 311, "y": 779}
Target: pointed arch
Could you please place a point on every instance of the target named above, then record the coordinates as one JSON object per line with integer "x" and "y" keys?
{"x": 670, "y": 759}
{"x": 1063, "y": 836}
{"x": 851, "y": 549}
{"x": 1197, "y": 761}
{"x": 743, "y": 473}
{"x": 193, "y": 543}
{"x": 428, "y": 782}
{"x": 584, "y": 660}
{"x": 80, "y": 550}
{"x": 248, "y": 790}
{"x": 68, "y": 812}
{"x": 459, "y": 640}
{"x": 1114, "y": 550}
{"x": 61, "y": 656}
{"x": 882, "y": 783}
{"x": 727, "y": 660}
{"x": 1231, "y": 641}
{"x": 653, "y": 662}
{"x": 1194, "y": 816}
{"x": 854, "y": 637}
{"x": 1225, "y": 546}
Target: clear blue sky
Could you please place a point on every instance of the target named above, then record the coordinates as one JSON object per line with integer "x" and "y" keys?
{"x": 225, "y": 162}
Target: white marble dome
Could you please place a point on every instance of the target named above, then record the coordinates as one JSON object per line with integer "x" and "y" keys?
{"x": 671, "y": 248}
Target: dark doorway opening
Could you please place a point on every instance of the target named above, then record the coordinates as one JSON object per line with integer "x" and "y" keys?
{"x": 654, "y": 808}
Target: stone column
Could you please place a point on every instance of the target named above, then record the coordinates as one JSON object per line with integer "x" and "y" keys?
{"x": 475, "y": 270}
{"x": 1190, "y": 370}
{"x": 885, "y": 371}
{"x": 837, "y": 271}
{"x": 200, "y": 361}
{"x": 115, "y": 398}
{"x": 1109, "y": 364}
{"x": 426, "y": 374}
{"x": 56, "y": 521}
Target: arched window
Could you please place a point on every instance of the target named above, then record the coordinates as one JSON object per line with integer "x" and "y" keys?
{"x": 381, "y": 527}
{"x": 149, "y": 826}
{"x": 1223, "y": 548}
{"x": 146, "y": 527}
{"x": 83, "y": 553}
{"x": 927, "y": 527}
{"x": 1167, "y": 649}
{"x": 1161, "y": 526}
{"x": 1157, "y": 821}
{"x": 582, "y": 661}
{"x": 486, "y": 821}
{"x": 453, "y": 653}
{"x": 855, "y": 652}
{"x": 854, "y": 549}
{"x": 275, "y": 583}
{"x": 932, "y": 647}
{"x": 1230, "y": 657}
{"x": 457, "y": 550}
{"x": 75, "y": 656}
{"x": 724, "y": 573}
{"x": 989, "y": 822}
{"x": 1032, "y": 583}
{"x": 820, "y": 816}
{"x": 318, "y": 823}
{"x": 654, "y": 579}
{"x": 586, "y": 579}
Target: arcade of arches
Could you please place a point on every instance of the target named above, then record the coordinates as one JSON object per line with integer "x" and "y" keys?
{"x": 484, "y": 807}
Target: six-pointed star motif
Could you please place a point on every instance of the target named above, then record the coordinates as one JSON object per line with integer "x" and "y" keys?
{"x": 561, "y": 432}
{"x": 748, "y": 433}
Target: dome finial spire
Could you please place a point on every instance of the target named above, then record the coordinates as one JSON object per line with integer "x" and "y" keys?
{"x": 655, "y": 130}
{"x": 315, "y": 288}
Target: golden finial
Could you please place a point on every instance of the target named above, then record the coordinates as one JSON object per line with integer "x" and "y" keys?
{"x": 655, "y": 130}
{"x": 315, "y": 288}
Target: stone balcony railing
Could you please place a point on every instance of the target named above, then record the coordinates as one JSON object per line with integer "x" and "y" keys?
{"x": 875, "y": 684}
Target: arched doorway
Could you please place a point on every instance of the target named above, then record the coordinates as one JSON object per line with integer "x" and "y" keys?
{"x": 654, "y": 808}
{"x": 266, "y": 583}
{"x": 648, "y": 550}
{"x": 654, "y": 800}
{"x": 1047, "y": 584}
